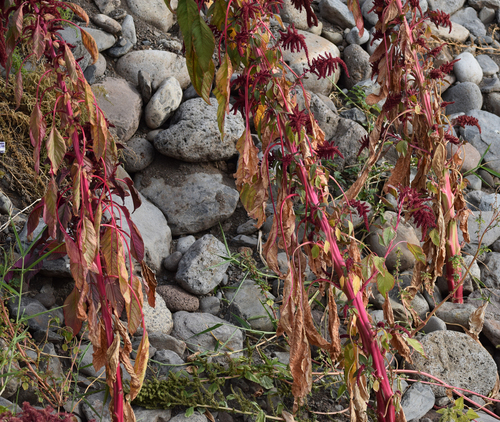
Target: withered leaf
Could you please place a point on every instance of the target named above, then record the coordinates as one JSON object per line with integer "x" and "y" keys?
{"x": 90, "y": 45}
{"x": 476, "y": 321}
{"x": 150, "y": 278}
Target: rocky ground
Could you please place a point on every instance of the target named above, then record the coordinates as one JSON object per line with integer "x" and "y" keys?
{"x": 183, "y": 170}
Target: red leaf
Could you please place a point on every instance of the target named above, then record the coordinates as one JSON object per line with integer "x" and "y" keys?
{"x": 34, "y": 217}
{"x": 70, "y": 311}
{"x": 353, "y": 6}
{"x": 136, "y": 199}
{"x": 38, "y": 42}
{"x": 151, "y": 283}
{"x": 69, "y": 59}
{"x": 90, "y": 45}
{"x": 18, "y": 22}
{"x": 50, "y": 208}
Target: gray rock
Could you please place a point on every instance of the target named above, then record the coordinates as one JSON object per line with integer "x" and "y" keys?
{"x": 184, "y": 243}
{"x": 159, "y": 64}
{"x": 354, "y": 114}
{"x": 466, "y": 96}
{"x": 46, "y": 296}
{"x": 106, "y": 23}
{"x": 96, "y": 70}
{"x": 467, "y": 17}
{"x": 201, "y": 268}
{"x": 446, "y": 6}
{"x": 188, "y": 327}
{"x": 210, "y": 305}
{"x": 353, "y": 36}
{"x": 489, "y": 202}
{"x": 145, "y": 85}
{"x": 122, "y": 47}
{"x": 491, "y": 328}
{"x": 5, "y": 204}
{"x": 128, "y": 29}
{"x": 357, "y": 61}
{"x": 73, "y": 36}
{"x": 371, "y": 17}
{"x": 325, "y": 116}
{"x": 248, "y": 302}
{"x": 480, "y": 4}
{"x": 195, "y": 417}
{"x": 405, "y": 233}
{"x": 154, "y": 12}
{"x": 244, "y": 240}
{"x": 458, "y": 360}
{"x": 102, "y": 39}
{"x": 138, "y": 154}
{"x": 158, "y": 319}
{"x": 333, "y": 36}
{"x": 14, "y": 408}
{"x": 489, "y": 85}
{"x": 163, "y": 103}
{"x": 193, "y": 197}
{"x": 348, "y": 133}
{"x": 290, "y": 15}
{"x": 167, "y": 342}
{"x": 434, "y": 324}
{"x": 489, "y": 136}
{"x": 152, "y": 134}
{"x": 50, "y": 364}
{"x": 151, "y": 415}
{"x": 487, "y": 64}
{"x": 490, "y": 272}
{"x": 487, "y": 15}
{"x": 476, "y": 229}
{"x": 171, "y": 262}
{"x": 458, "y": 32}
{"x": 59, "y": 268}
{"x": 170, "y": 362}
{"x": 107, "y": 6}
{"x": 86, "y": 367}
{"x": 468, "y": 69}
{"x": 316, "y": 46}
{"x": 122, "y": 106}
{"x": 93, "y": 407}
{"x": 475, "y": 182}
{"x": 194, "y": 136}
{"x": 492, "y": 103}
{"x": 337, "y": 13}
{"x": 417, "y": 401}
{"x": 467, "y": 152}
{"x": 38, "y": 317}
{"x": 247, "y": 228}
{"x": 155, "y": 232}
{"x": 117, "y": 14}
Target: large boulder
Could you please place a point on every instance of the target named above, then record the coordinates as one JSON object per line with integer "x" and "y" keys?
{"x": 122, "y": 106}
{"x": 193, "y": 197}
{"x": 194, "y": 135}
{"x": 158, "y": 64}
{"x": 297, "y": 61}
{"x": 154, "y": 12}
{"x": 458, "y": 360}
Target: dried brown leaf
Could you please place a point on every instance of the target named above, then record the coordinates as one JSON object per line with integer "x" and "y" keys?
{"x": 112, "y": 360}
{"x": 400, "y": 174}
{"x": 141, "y": 364}
{"x": 476, "y": 321}
{"x": 333, "y": 326}
{"x": 287, "y": 416}
{"x": 359, "y": 400}
{"x": 78, "y": 11}
{"x": 150, "y": 279}
{"x": 100, "y": 350}
{"x": 90, "y": 45}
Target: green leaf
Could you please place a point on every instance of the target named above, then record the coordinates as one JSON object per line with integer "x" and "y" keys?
{"x": 203, "y": 40}
{"x": 434, "y": 235}
{"x": 251, "y": 377}
{"x": 213, "y": 388}
{"x": 218, "y": 13}
{"x": 417, "y": 252}
{"x": 266, "y": 382}
{"x": 388, "y": 235}
{"x": 222, "y": 91}
{"x": 261, "y": 417}
{"x": 189, "y": 412}
{"x": 385, "y": 282}
{"x": 379, "y": 263}
{"x": 471, "y": 414}
{"x": 402, "y": 147}
{"x": 315, "y": 251}
{"x": 415, "y": 344}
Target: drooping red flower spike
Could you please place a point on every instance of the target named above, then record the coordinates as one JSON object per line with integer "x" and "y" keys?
{"x": 323, "y": 66}
{"x": 414, "y": 203}
{"x": 312, "y": 20}
{"x": 362, "y": 210}
{"x": 293, "y": 41}
{"x": 463, "y": 121}
{"x": 328, "y": 151}
{"x": 439, "y": 18}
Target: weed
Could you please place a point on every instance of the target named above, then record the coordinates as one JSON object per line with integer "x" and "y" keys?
{"x": 456, "y": 413}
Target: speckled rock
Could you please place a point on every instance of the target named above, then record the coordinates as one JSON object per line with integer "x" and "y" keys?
{"x": 171, "y": 262}
{"x": 106, "y": 23}
{"x": 458, "y": 360}
{"x": 163, "y": 103}
{"x": 202, "y": 266}
{"x": 138, "y": 154}
{"x": 337, "y": 13}
{"x": 178, "y": 299}
{"x": 159, "y": 64}
{"x": 194, "y": 135}
{"x": 357, "y": 61}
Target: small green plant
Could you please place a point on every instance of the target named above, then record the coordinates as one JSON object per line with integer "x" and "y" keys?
{"x": 456, "y": 413}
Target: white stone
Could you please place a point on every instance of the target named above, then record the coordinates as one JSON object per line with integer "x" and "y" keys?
{"x": 467, "y": 69}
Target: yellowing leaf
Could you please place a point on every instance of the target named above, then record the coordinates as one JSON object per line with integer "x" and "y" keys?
{"x": 56, "y": 148}
{"x": 356, "y": 284}
{"x": 141, "y": 364}
{"x": 417, "y": 252}
{"x": 315, "y": 251}
{"x": 326, "y": 247}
